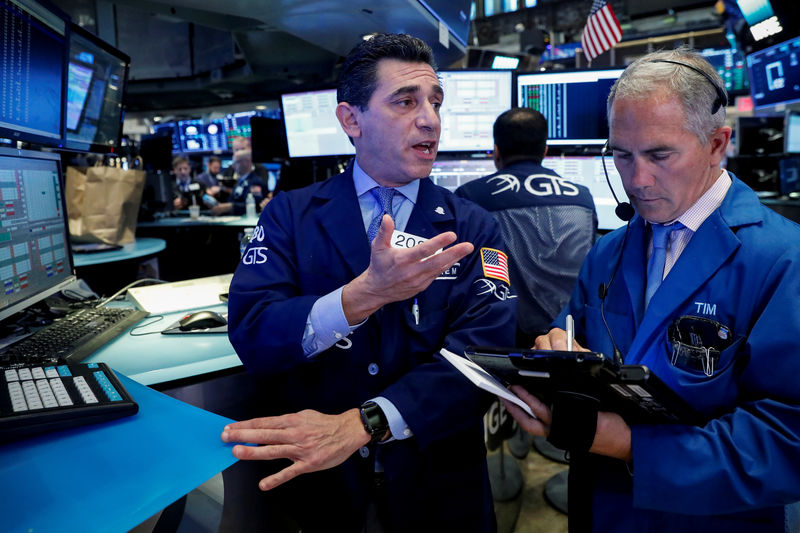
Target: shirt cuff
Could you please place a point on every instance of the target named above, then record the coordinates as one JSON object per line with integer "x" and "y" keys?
{"x": 326, "y": 324}
{"x": 397, "y": 423}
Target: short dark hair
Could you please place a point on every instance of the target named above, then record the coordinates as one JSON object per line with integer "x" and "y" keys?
{"x": 521, "y": 133}
{"x": 359, "y": 73}
{"x": 214, "y": 159}
{"x": 179, "y": 159}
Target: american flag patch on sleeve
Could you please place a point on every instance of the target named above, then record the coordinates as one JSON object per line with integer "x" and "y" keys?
{"x": 495, "y": 264}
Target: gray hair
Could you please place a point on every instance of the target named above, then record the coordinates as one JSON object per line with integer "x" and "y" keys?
{"x": 643, "y": 78}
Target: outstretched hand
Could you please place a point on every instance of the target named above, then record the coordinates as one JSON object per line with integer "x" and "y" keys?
{"x": 311, "y": 440}
{"x": 395, "y": 274}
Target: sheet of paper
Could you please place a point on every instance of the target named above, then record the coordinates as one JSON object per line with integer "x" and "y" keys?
{"x": 483, "y": 379}
{"x": 181, "y": 295}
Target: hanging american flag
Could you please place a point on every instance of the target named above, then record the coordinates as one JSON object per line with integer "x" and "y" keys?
{"x": 602, "y": 30}
{"x": 495, "y": 264}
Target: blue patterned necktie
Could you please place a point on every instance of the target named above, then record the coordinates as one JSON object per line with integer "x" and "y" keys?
{"x": 384, "y": 196}
{"x": 655, "y": 266}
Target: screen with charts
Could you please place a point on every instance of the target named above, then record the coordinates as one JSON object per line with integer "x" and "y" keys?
{"x": 312, "y": 128}
{"x": 574, "y": 103}
{"x": 97, "y": 74}
{"x": 199, "y": 135}
{"x": 729, "y": 64}
{"x": 588, "y": 171}
{"x": 34, "y": 254}
{"x": 472, "y": 102}
{"x": 238, "y": 124}
{"x": 33, "y": 50}
{"x": 775, "y": 74}
{"x": 452, "y": 174}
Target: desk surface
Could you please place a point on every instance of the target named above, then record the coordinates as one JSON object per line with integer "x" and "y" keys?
{"x": 231, "y": 221}
{"x": 151, "y": 358}
{"x": 141, "y": 247}
{"x": 113, "y": 475}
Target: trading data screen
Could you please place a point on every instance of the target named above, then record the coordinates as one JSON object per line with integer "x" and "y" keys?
{"x": 95, "y": 88}
{"x": 455, "y": 173}
{"x": 775, "y": 74}
{"x": 574, "y": 103}
{"x": 32, "y": 72}
{"x": 472, "y": 102}
{"x": 730, "y": 66}
{"x": 312, "y": 128}
{"x": 588, "y": 171}
{"x": 202, "y": 135}
{"x": 33, "y": 233}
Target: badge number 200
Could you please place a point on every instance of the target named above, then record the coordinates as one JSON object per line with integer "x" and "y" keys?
{"x": 401, "y": 239}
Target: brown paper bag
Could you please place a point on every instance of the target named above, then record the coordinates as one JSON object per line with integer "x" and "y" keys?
{"x": 103, "y": 203}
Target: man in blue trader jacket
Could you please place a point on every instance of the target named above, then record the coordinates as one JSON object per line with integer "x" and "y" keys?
{"x": 721, "y": 329}
{"x": 353, "y": 330}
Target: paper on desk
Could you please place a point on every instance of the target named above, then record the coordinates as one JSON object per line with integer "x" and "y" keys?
{"x": 483, "y": 379}
{"x": 181, "y": 295}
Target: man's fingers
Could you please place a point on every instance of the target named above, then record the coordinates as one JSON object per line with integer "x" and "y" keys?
{"x": 531, "y": 425}
{"x": 383, "y": 239}
{"x": 264, "y": 453}
{"x": 279, "y": 478}
{"x": 538, "y": 408}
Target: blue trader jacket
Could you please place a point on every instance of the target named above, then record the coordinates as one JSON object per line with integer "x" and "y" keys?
{"x": 736, "y": 473}
{"x": 311, "y": 241}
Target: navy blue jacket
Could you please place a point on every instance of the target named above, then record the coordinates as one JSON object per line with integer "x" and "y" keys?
{"x": 311, "y": 241}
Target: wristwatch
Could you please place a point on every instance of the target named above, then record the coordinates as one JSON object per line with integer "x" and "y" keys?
{"x": 375, "y": 422}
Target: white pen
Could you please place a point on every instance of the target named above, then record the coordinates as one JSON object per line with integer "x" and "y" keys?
{"x": 415, "y": 312}
{"x": 570, "y": 332}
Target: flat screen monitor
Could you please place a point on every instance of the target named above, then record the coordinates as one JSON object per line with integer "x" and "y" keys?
{"x": 156, "y": 152}
{"x": 574, "y": 103}
{"x": 169, "y": 129}
{"x": 452, "y": 174}
{"x": 791, "y": 132}
{"x": 472, "y": 102}
{"x": 96, "y": 80}
{"x": 33, "y": 63}
{"x": 199, "y": 135}
{"x": 312, "y": 128}
{"x": 238, "y": 124}
{"x": 775, "y": 74}
{"x": 730, "y": 65}
{"x": 588, "y": 171}
{"x": 268, "y": 139}
{"x": 759, "y": 135}
{"x": 35, "y": 259}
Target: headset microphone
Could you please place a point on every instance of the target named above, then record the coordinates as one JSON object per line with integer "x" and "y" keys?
{"x": 624, "y": 210}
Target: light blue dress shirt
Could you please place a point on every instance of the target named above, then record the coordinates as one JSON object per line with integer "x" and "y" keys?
{"x": 326, "y": 324}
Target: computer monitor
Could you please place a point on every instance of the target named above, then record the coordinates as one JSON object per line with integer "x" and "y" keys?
{"x": 35, "y": 258}
{"x": 268, "y": 139}
{"x": 574, "y": 103}
{"x": 759, "y": 135}
{"x": 472, "y": 101}
{"x": 199, "y": 135}
{"x": 452, "y": 174}
{"x": 97, "y": 76}
{"x": 312, "y": 129}
{"x": 238, "y": 125}
{"x": 33, "y": 60}
{"x": 775, "y": 74}
{"x": 169, "y": 129}
{"x": 588, "y": 171}
{"x": 156, "y": 152}
{"x": 730, "y": 65}
{"x": 791, "y": 132}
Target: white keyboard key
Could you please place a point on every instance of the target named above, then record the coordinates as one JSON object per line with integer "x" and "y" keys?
{"x": 46, "y": 393}
{"x": 84, "y": 390}
{"x": 11, "y": 375}
{"x": 24, "y": 373}
{"x": 51, "y": 372}
{"x": 37, "y": 372}
{"x": 62, "y": 396}
{"x": 31, "y": 396}
{"x": 17, "y": 397}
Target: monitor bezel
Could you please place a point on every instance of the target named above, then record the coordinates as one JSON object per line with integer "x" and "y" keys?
{"x": 25, "y": 303}
{"x": 565, "y": 143}
{"x": 36, "y": 138}
{"x": 83, "y": 146}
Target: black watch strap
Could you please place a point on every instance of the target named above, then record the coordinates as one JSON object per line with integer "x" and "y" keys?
{"x": 374, "y": 420}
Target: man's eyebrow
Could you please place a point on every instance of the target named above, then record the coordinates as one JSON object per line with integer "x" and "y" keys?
{"x": 410, "y": 89}
{"x": 654, "y": 149}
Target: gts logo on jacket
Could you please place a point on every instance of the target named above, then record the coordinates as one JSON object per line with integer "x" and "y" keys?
{"x": 536, "y": 184}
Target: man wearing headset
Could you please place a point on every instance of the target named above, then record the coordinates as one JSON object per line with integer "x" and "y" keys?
{"x": 721, "y": 329}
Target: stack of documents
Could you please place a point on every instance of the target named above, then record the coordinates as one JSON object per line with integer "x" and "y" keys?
{"x": 181, "y": 295}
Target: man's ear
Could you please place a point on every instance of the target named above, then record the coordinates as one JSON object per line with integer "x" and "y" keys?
{"x": 718, "y": 143}
{"x": 348, "y": 118}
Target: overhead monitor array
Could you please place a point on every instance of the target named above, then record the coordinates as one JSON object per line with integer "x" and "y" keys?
{"x": 775, "y": 74}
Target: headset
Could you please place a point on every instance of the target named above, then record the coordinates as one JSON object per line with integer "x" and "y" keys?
{"x": 625, "y": 210}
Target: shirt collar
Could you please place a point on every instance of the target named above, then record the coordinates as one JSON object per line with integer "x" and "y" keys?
{"x": 364, "y": 184}
{"x": 693, "y": 217}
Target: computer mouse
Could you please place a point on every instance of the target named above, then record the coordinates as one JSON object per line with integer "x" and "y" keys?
{"x": 202, "y": 320}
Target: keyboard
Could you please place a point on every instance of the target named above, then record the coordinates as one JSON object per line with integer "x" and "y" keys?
{"x": 74, "y": 337}
{"x": 38, "y": 399}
